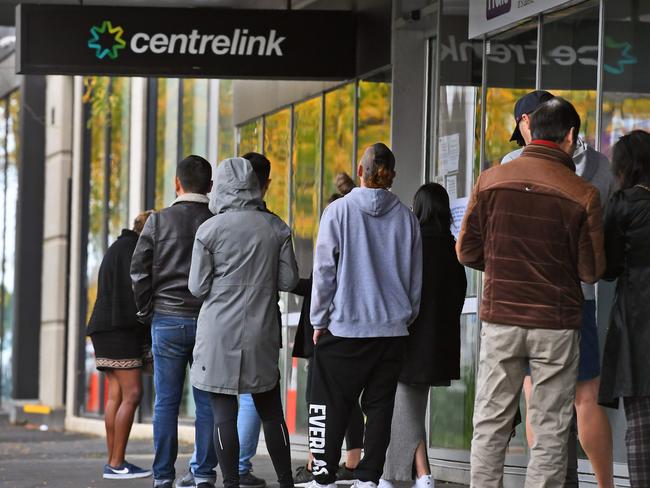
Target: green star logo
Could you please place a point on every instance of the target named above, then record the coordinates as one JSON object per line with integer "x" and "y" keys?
{"x": 625, "y": 56}
{"x": 104, "y": 36}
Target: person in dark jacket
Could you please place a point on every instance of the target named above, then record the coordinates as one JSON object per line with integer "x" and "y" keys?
{"x": 159, "y": 271}
{"x": 626, "y": 362}
{"x": 432, "y": 353}
{"x": 120, "y": 341}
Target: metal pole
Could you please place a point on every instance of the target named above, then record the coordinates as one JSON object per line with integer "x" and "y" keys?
{"x": 540, "y": 52}
{"x": 599, "y": 76}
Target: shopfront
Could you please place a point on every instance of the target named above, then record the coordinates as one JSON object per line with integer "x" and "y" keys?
{"x": 425, "y": 79}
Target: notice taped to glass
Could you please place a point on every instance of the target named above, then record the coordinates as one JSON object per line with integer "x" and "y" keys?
{"x": 202, "y": 42}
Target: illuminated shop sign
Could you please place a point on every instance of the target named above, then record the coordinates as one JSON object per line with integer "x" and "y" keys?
{"x": 281, "y": 44}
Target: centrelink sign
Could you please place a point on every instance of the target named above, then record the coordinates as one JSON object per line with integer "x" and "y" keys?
{"x": 274, "y": 44}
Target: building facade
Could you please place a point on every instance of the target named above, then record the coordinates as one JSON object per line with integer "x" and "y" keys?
{"x": 442, "y": 100}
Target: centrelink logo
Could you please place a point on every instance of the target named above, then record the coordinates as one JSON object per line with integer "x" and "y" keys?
{"x": 107, "y": 41}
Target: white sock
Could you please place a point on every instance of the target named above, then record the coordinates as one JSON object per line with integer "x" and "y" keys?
{"x": 385, "y": 484}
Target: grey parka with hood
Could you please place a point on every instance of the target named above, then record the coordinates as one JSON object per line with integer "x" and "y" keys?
{"x": 241, "y": 258}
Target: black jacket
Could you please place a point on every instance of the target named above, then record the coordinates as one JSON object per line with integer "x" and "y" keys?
{"x": 626, "y": 359}
{"x": 303, "y": 345}
{"x": 432, "y": 355}
{"x": 161, "y": 263}
{"x": 115, "y": 306}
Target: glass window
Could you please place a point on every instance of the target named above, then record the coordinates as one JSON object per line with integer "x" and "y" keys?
{"x": 452, "y": 408}
{"x": 9, "y": 142}
{"x": 569, "y": 68}
{"x": 166, "y": 140}
{"x": 195, "y": 118}
{"x": 277, "y": 137}
{"x": 250, "y": 137}
{"x": 108, "y": 114}
{"x": 226, "y": 138}
{"x": 374, "y": 111}
{"x": 304, "y": 210}
{"x": 626, "y": 92}
{"x": 511, "y": 62}
{"x": 339, "y": 138}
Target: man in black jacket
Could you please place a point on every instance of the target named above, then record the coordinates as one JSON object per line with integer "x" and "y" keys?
{"x": 159, "y": 271}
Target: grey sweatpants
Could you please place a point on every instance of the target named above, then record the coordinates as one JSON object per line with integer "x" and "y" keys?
{"x": 553, "y": 358}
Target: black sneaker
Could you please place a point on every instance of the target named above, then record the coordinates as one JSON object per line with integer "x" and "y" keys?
{"x": 205, "y": 484}
{"x": 187, "y": 481}
{"x": 345, "y": 475}
{"x": 164, "y": 484}
{"x": 249, "y": 480}
{"x": 303, "y": 476}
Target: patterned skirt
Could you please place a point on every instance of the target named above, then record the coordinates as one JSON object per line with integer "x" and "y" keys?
{"x": 120, "y": 348}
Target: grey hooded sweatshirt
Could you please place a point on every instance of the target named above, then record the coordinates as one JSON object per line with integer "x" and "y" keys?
{"x": 241, "y": 258}
{"x": 367, "y": 266}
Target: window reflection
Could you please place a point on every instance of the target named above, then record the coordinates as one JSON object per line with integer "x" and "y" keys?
{"x": 108, "y": 111}
{"x": 339, "y": 137}
{"x": 195, "y": 118}
{"x": 511, "y": 73}
{"x": 226, "y": 136}
{"x": 277, "y": 135}
{"x": 374, "y": 112}
{"x": 569, "y": 70}
{"x": 250, "y": 137}
{"x": 166, "y": 140}
{"x": 9, "y": 142}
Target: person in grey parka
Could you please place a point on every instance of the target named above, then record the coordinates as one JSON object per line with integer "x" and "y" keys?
{"x": 241, "y": 258}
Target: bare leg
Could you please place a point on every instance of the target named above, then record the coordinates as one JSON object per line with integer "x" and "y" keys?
{"x": 353, "y": 457}
{"x": 422, "y": 467}
{"x": 110, "y": 410}
{"x": 130, "y": 381}
{"x": 528, "y": 386}
{"x": 594, "y": 432}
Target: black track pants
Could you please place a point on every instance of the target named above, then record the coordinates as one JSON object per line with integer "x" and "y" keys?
{"x": 226, "y": 439}
{"x": 343, "y": 370}
{"x": 356, "y": 424}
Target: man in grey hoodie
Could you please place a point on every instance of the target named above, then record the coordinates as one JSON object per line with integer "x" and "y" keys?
{"x": 366, "y": 291}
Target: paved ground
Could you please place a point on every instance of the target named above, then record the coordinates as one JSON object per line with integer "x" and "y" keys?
{"x": 30, "y": 458}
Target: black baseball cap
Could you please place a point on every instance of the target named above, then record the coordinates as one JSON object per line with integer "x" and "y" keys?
{"x": 527, "y": 105}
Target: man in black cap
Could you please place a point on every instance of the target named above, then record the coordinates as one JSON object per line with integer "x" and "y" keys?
{"x": 593, "y": 426}
{"x": 525, "y": 106}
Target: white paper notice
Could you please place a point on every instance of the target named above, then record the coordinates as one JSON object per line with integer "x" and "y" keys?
{"x": 451, "y": 184}
{"x": 458, "y": 208}
{"x": 449, "y": 152}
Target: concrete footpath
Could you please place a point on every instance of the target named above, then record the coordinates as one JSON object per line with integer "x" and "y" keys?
{"x": 30, "y": 458}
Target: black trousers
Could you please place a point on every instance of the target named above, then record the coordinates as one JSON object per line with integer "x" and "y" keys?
{"x": 343, "y": 370}
{"x": 356, "y": 424}
{"x": 226, "y": 439}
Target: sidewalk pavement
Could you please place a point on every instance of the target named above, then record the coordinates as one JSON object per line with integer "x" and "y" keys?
{"x": 30, "y": 458}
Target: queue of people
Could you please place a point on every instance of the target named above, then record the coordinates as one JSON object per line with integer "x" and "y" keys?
{"x": 380, "y": 323}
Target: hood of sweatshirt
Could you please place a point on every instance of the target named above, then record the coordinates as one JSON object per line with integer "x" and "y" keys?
{"x": 235, "y": 187}
{"x": 373, "y": 201}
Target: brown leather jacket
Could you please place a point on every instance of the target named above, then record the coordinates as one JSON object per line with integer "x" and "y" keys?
{"x": 536, "y": 229}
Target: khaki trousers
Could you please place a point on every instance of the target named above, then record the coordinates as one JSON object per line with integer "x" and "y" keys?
{"x": 506, "y": 350}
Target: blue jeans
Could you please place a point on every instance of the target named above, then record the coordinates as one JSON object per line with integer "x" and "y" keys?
{"x": 248, "y": 427}
{"x": 173, "y": 341}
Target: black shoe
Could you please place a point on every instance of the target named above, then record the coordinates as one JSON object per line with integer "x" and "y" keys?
{"x": 249, "y": 480}
{"x": 345, "y": 475}
{"x": 303, "y": 476}
{"x": 187, "y": 481}
{"x": 165, "y": 484}
{"x": 205, "y": 484}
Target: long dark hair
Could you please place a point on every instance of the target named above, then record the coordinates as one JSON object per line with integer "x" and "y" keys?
{"x": 631, "y": 159}
{"x": 431, "y": 207}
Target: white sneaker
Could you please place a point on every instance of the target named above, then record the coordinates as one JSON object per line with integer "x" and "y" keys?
{"x": 316, "y": 484}
{"x": 425, "y": 481}
{"x": 364, "y": 484}
{"x": 385, "y": 484}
